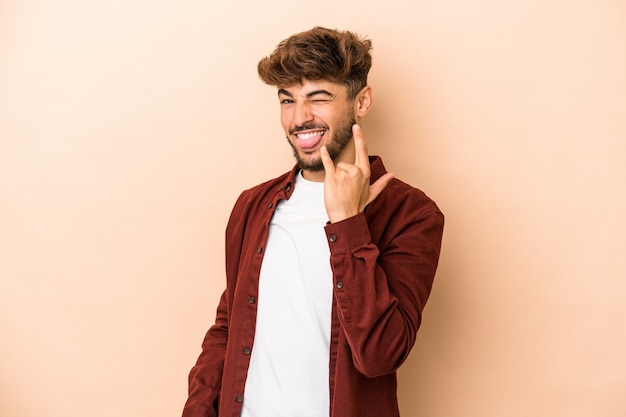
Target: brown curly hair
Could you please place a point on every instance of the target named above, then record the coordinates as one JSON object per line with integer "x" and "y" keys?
{"x": 319, "y": 54}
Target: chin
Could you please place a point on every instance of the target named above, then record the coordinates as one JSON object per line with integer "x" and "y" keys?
{"x": 310, "y": 163}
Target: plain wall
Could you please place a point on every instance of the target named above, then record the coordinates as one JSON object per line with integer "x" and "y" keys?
{"x": 128, "y": 129}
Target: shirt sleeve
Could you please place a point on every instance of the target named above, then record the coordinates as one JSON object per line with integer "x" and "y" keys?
{"x": 381, "y": 289}
{"x": 205, "y": 378}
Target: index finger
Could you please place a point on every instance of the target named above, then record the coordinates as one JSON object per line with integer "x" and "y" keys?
{"x": 327, "y": 162}
{"x": 361, "y": 158}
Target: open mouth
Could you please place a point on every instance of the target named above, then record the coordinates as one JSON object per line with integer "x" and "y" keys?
{"x": 307, "y": 140}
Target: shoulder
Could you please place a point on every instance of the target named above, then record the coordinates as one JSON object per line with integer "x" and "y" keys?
{"x": 404, "y": 202}
{"x": 399, "y": 191}
{"x": 401, "y": 195}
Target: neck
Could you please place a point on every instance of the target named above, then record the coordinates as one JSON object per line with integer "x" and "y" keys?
{"x": 317, "y": 176}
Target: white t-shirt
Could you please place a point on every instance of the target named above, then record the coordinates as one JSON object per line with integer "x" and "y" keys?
{"x": 288, "y": 373}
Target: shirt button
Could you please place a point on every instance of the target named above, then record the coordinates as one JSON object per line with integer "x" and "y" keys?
{"x": 246, "y": 351}
{"x": 239, "y": 398}
{"x": 339, "y": 284}
{"x": 252, "y": 300}
{"x": 259, "y": 249}
{"x": 332, "y": 238}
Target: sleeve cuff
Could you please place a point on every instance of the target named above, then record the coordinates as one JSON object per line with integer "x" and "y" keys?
{"x": 348, "y": 234}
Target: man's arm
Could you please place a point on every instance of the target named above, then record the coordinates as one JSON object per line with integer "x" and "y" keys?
{"x": 381, "y": 293}
{"x": 205, "y": 378}
{"x": 381, "y": 287}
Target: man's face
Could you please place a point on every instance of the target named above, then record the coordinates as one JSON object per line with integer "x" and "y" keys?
{"x": 314, "y": 114}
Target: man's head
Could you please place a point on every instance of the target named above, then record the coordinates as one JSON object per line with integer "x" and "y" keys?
{"x": 321, "y": 76}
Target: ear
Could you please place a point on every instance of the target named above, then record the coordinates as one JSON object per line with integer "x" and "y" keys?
{"x": 363, "y": 101}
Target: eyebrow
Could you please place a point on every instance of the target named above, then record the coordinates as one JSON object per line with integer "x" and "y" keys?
{"x": 309, "y": 95}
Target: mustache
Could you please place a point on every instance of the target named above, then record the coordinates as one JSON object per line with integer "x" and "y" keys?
{"x": 307, "y": 126}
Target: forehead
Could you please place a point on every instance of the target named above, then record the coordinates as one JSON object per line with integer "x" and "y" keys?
{"x": 308, "y": 87}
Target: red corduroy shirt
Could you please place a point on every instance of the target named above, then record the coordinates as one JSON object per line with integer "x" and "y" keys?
{"x": 383, "y": 262}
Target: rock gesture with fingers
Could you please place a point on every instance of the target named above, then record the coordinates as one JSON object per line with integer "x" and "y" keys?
{"x": 347, "y": 189}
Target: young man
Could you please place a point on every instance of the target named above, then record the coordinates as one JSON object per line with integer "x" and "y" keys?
{"x": 328, "y": 266}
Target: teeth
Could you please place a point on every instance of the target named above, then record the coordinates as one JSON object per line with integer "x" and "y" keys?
{"x": 306, "y": 136}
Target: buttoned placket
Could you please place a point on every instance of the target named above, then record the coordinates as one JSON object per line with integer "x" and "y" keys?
{"x": 284, "y": 193}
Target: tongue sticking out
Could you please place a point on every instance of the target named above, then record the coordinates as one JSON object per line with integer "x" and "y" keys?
{"x": 309, "y": 140}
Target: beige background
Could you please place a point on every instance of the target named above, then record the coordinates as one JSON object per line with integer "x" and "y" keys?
{"x": 129, "y": 127}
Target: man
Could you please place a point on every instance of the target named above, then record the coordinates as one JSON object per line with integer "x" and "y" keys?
{"x": 328, "y": 266}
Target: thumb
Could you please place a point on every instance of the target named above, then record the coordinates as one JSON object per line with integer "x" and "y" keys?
{"x": 378, "y": 186}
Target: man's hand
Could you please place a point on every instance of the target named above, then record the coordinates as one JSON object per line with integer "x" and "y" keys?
{"x": 347, "y": 189}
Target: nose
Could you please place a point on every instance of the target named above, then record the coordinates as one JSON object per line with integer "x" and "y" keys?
{"x": 302, "y": 113}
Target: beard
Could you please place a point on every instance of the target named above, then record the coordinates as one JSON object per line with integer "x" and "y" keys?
{"x": 341, "y": 137}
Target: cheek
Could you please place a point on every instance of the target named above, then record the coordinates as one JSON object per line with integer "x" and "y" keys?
{"x": 285, "y": 120}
